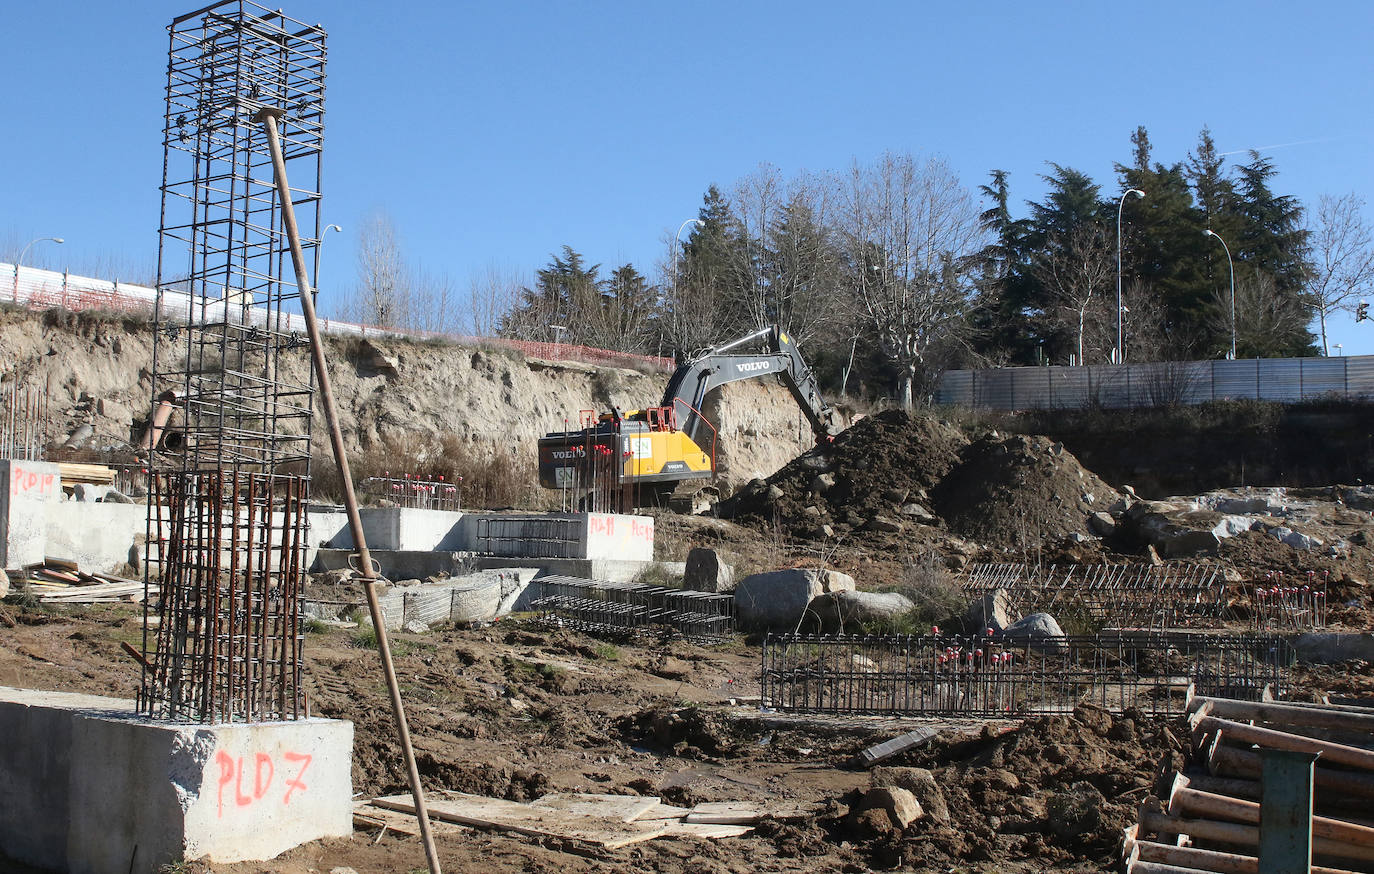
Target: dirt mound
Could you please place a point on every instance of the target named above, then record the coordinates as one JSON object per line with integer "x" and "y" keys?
{"x": 1053, "y": 789}
{"x": 1019, "y": 491}
{"x": 871, "y": 478}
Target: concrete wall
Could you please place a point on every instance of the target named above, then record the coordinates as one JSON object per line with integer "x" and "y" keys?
{"x": 87, "y": 786}
{"x": 27, "y": 490}
{"x": 404, "y": 528}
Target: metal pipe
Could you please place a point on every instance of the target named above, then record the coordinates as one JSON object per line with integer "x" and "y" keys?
{"x": 1339, "y": 754}
{"x": 1207, "y": 860}
{"x": 1267, "y": 711}
{"x": 1183, "y": 800}
{"x": 268, "y": 116}
{"x": 1246, "y": 763}
{"x": 1238, "y": 835}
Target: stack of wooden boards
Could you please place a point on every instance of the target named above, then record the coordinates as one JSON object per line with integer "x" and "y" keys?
{"x": 1208, "y": 820}
{"x": 600, "y": 821}
{"x": 75, "y": 472}
{"x": 60, "y": 581}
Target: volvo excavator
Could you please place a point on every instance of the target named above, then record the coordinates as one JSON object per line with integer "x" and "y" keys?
{"x": 615, "y": 461}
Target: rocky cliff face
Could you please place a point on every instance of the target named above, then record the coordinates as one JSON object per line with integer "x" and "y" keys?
{"x": 97, "y": 370}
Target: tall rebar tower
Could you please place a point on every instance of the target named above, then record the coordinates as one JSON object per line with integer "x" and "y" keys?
{"x": 232, "y": 383}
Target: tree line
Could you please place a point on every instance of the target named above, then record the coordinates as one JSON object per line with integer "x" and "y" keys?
{"x": 890, "y": 271}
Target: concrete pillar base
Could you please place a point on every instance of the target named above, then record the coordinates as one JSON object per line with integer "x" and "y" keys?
{"x": 87, "y": 785}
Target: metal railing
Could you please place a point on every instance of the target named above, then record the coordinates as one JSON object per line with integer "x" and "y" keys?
{"x": 979, "y": 675}
{"x": 1159, "y": 383}
{"x": 604, "y": 607}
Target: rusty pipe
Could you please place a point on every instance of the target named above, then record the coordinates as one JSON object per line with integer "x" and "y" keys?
{"x": 1268, "y": 711}
{"x": 1184, "y": 800}
{"x": 1246, "y": 763}
{"x": 166, "y": 402}
{"x": 1238, "y": 834}
{"x": 1341, "y": 754}
{"x": 268, "y": 116}
{"x": 1207, "y": 860}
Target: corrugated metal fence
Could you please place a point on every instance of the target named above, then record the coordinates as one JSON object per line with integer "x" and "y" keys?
{"x": 45, "y": 289}
{"x": 1160, "y": 383}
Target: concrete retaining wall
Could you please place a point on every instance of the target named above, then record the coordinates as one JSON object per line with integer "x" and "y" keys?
{"x": 88, "y": 786}
{"x": 27, "y": 490}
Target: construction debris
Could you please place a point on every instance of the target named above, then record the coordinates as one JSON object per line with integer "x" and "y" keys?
{"x": 58, "y": 580}
{"x": 604, "y": 821}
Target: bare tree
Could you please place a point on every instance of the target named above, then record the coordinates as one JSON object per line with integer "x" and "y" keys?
{"x": 492, "y": 294}
{"x": 383, "y": 293}
{"x": 1078, "y": 268}
{"x": 910, "y": 231}
{"x": 1342, "y": 262}
{"x": 1268, "y": 321}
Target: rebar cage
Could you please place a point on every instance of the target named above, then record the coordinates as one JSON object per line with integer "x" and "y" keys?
{"x": 229, "y": 464}
{"x": 991, "y": 676}
{"x": 604, "y": 607}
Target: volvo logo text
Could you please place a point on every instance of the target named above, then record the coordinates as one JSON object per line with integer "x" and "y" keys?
{"x": 753, "y": 366}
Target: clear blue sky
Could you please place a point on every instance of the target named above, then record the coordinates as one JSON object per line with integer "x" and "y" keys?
{"x": 493, "y": 133}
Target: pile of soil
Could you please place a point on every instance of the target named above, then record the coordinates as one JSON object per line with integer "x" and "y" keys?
{"x": 1019, "y": 491}
{"x": 871, "y": 471}
{"x": 1055, "y": 788}
{"x": 894, "y": 473}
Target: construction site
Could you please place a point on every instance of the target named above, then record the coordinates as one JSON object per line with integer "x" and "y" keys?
{"x": 671, "y": 616}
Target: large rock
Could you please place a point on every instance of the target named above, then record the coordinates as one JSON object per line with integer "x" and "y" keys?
{"x": 920, "y": 783}
{"x": 777, "y": 599}
{"x": 1102, "y": 524}
{"x": 707, "y": 572}
{"x": 844, "y": 609}
{"x": 1230, "y": 526}
{"x": 901, "y": 806}
{"x": 1173, "y": 540}
{"x": 1041, "y": 629}
{"x": 1295, "y": 539}
{"x": 993, "y": 610}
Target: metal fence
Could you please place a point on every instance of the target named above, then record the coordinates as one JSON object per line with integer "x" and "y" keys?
{"x": 603, "y": 607}
{"x": 47, "y": 289}
{"x": 1170, "y": 595}
{"x": 1159, "y": 383}
{"x": 991, "y": 676}
{"x": 531, "y": 536}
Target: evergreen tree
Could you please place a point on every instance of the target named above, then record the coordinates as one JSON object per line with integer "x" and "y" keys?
{"x": 567, "y": 293}
{"x": 1007, "y": 278}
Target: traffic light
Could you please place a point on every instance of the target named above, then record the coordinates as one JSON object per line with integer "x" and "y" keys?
{"x": 1361, "y": 312}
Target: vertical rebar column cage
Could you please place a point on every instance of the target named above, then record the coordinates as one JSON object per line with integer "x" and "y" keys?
{"x": 233, "y": 387}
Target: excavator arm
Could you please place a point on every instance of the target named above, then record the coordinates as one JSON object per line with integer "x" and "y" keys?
{"x": 693, "y": 381}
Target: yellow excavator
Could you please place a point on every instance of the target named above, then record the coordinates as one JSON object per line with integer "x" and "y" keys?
{"x": 620, "y": 460}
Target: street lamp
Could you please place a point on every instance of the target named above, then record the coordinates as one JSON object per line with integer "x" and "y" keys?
{"x": 319, "y": 247}
{"x": 1339, "y": 347}
{"x": 20, "y": 260}
{"x": 1211, "y": 233}
{"x": 1120, "y": 348}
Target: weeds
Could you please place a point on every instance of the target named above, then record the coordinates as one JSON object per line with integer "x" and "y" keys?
{"x": 606, "y": 652}
{"x": 315, "y": 626}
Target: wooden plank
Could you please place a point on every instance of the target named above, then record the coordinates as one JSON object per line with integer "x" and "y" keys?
{"x": 60, "y": 564}
{"x": 887, "y": 749}
{"x": 621, "y": 808}
{"x": 678, "y": 829}
{"x": 523, "y": 819}
{"x": 664, "y": 811}
{"x": 741, "y": 812}
{"x": 73, "y": 472}
{"x": 367, "y": 816}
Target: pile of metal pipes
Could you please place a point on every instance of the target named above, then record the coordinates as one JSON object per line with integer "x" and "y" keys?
{"x": 1214, "y": 817}
{"x": 991, "y": 675}
{"x": 604, "y": 607}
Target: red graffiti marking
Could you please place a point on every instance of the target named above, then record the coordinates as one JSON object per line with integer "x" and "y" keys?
{"x": 296, "y": 783}
{"x": 263, "y": 776}
{"x": 22, "y": 480}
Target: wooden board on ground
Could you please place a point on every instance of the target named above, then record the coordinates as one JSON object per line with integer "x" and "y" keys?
{"x": 664, "y": 811}
{"x": 522, "y": 818}
{"x": 367, "y": 816}
{"x": 741, "y": 813}
{"x": 679, "y": 829}
{"x": 621, "y": 808}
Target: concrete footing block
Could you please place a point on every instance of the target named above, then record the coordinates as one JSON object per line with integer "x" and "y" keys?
{"x": 88, "y": 786}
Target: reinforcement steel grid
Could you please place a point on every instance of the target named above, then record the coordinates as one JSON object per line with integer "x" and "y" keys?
{"x": 989, "y": 676}
{"x": 603, "y": 607}
{"x": 1141, "y": 595}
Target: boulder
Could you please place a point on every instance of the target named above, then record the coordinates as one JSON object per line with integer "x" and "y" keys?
{"x": 822, "y": 483}
{"x": 115, "y": 496}
{"x": 1102, "y": 524}
{"x": 993, "y": 610}
{"x": 845, "y": 608}
{"x": 884, "y": 524}
{"x": 1295, "y": 539}
{"x": 88, "y": 492}
{"x": 373, "y": 356}
{"x": 1173, "y": 540}
{"x": 415, "y": 626}
{"x": 901, "y": 806}
{"x": 1230, "y": 526}
{"x": 920, "y": 783}
{"x": 1041, "y": 629}
{"x": 777, "y": 599}
{"x": 707, "y": 572}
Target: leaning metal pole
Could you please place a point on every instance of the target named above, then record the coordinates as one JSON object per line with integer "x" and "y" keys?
{"x": 268, "y": 117}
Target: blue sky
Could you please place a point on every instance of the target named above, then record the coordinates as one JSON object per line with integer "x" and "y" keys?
{"x": 494, "y": 133}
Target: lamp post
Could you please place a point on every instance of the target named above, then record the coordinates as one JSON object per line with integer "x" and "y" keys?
{"x": 1120, "y": 347}
{"x": 320, "y": 252}
{"x": 1339, "y": 347}
{"x": 677, "y": 256}
{"x": 20, "y": 260}
{"x": 1231, "y": 264}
